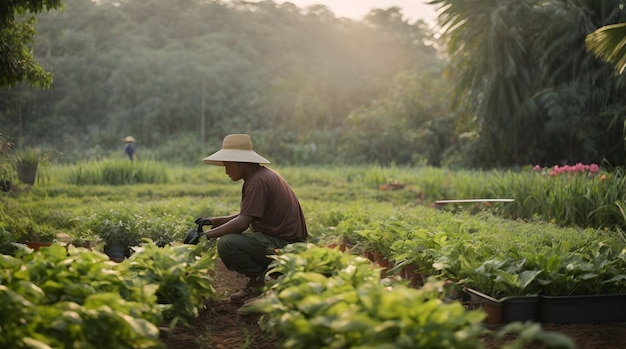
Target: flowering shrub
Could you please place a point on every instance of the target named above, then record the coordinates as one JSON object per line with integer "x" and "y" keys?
{"x": 568, "y": 169}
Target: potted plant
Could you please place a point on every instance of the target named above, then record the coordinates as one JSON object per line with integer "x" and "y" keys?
{"x": 37, "y": 238}
{"x": 563, "y": 286}
{"x": 412, "y": 254}
{"x": 27, "y": 163}
{"x": 118, "y": 236}
{"x": 22, "y": 227}
{"x": 88, "y": 239}
{"x": 162, "y": 231}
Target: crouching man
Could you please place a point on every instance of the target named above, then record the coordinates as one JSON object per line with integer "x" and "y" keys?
{"x": 270, "y": 214}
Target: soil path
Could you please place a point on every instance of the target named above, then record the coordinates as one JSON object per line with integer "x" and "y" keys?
{"x": 220, "y": 326}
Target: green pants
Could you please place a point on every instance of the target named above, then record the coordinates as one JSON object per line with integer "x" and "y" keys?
{"x": 246, "y": 253}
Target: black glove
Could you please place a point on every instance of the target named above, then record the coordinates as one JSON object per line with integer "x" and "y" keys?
{"x": 203, "y": 221}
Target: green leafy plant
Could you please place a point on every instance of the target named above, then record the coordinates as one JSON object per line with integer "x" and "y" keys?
{"x": 341, "y": 302}
{"x": 30, "y": 162}
{"x": 87, "y": 239}
{"x": 593, "y": 269}
{"x": 31, "y": 156}
{"x": 419, "y": 248}
{"x": 19, "y": 222}
{"x": 114, "y": 227}
{"x": 181, "y": 274}
{"x": 306, "y": 257}
{"x": 61, "y": 295}
{"x": 117, "y": 232}
{"x": 380, "y": 235}
{"x": 58, "y": 297}
{"x": 551, "y": 271}
{"x": 483, "y": 277}
{"x": 162, "y": 228}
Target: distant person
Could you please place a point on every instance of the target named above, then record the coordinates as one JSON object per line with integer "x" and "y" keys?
{"x": 129, "y": 148}
{"x": 270, "y": 215}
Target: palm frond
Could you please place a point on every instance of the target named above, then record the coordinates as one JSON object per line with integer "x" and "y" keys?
{"x": 609, "y": 43}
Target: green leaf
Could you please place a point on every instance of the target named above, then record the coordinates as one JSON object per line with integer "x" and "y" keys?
{"x": 35, "y": 344}
{"x": 141, "y": 326}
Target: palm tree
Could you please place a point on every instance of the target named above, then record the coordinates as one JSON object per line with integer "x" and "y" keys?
{"x": 492, "y": 64}
{"x": 524, "y": 75}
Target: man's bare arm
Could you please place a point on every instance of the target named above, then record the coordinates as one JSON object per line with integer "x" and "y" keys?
{"x": 224, "y": 226}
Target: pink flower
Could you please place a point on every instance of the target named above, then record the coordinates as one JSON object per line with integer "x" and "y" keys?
{"x": 570, "y": 169}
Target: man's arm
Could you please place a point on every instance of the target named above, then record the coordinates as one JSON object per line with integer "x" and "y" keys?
{"x": 234, "y": 224}
{"x": 217, "y": 221}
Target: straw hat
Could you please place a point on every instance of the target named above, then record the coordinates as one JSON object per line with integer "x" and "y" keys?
{"x": 235, "y": 148}
{"x": 130, "y": 139}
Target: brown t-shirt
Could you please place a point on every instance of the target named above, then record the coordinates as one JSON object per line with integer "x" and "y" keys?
{"x": 268, "y": 198}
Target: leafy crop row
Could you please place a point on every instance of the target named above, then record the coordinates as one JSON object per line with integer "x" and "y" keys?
{"x": 71, "y": 297}
{"x": 497, "y": 256}
{"x": 324, "y": 298}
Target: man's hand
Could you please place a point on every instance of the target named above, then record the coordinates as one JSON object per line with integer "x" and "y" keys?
{"x": 203, "y": 221}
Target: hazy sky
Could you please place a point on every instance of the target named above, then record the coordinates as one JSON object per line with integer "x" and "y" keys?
{"x": 357, "y": 9}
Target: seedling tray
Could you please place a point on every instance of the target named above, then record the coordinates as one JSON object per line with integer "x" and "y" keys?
{"x": 586, "y": 308}
{"x": 507, "y": 309}
{"x": 551, "y": 309}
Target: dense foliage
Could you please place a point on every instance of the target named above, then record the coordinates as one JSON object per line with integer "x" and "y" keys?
{"x": 61, "y": 296}
{"x": 328, "y": 299}
{"x": 17, "y": 34}
{"x": 325, "y": 298}
{"x": 527, "y": 85}
{"x": 314, "y": 88}
{"x": 180, "y": 75}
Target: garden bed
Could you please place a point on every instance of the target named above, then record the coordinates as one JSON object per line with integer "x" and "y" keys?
{"x": 220, "y": 326}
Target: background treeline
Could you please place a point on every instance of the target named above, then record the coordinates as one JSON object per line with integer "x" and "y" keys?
{"x": 313, "y": 88}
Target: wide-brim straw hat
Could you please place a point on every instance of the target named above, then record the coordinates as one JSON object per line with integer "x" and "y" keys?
{"x": 130, "y": 139}
{"x": 235, "y": 148}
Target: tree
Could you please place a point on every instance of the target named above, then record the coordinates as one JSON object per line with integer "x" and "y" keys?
{"x": 17, "y": 62}
{"x": 530, "y": 90}
{"x": 494, "y": 72}
{"x": 178, "y": 73}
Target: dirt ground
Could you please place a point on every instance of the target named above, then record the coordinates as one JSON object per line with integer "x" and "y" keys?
{"x": 221, "y": 327}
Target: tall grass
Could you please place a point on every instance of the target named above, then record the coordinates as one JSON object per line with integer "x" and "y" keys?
{"x": 583, "y": 199}
{"x": 119, "y": 171}
{"x": 569, "y": 200}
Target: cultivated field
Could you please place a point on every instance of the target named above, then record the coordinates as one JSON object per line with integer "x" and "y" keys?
{"x": 560, "y": 236}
